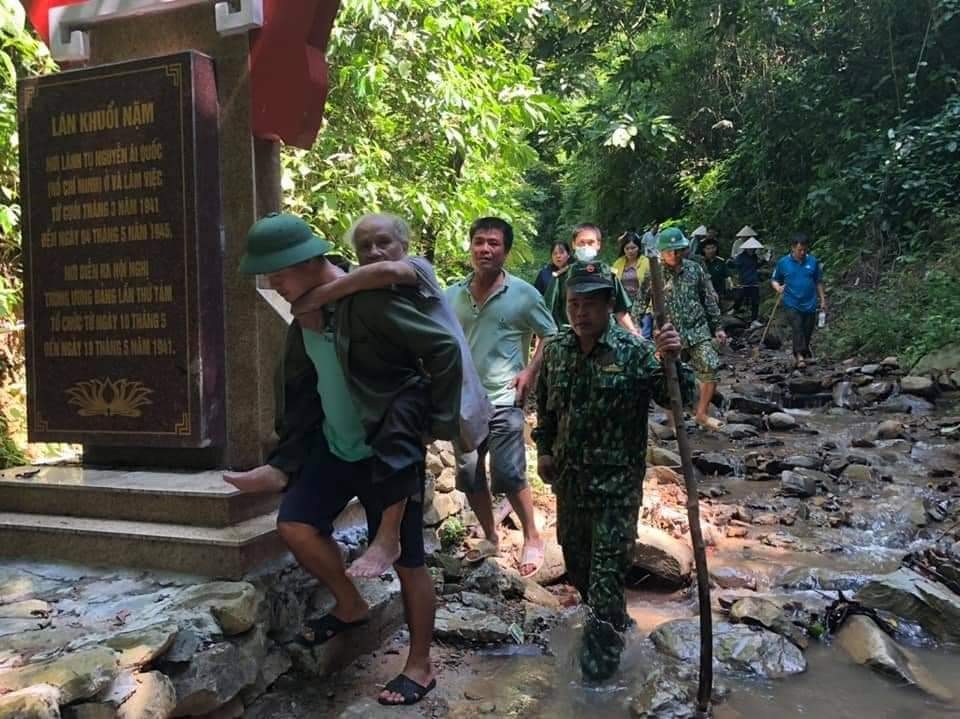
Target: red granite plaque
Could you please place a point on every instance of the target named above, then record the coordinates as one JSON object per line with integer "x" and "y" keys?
{"x": 122, "y": 254}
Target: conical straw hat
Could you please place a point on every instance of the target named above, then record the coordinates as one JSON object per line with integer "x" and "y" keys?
{"x": 746, "y": 231}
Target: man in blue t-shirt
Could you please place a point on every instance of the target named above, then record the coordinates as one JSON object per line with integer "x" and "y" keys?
{"x": 799, "y": 278}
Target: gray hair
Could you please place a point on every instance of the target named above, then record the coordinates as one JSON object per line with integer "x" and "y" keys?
{"x": 397, "y": 225}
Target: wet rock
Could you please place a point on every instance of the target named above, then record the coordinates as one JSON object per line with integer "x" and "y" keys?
{"x": 444, "y": 505}
{"x": 867, "y": 644}
{"x": 667, "y": 691}
{"x": 876, "y": 392}
{"x": 794, "y": 484}
{"x": 662, "y": 457}
{"x": 801, "y": 461}
{"x": 733, "y": 578}
{"x": 844, "y": 396}
{"x": 735, "y": 417}
{"x": 906, "y": 404}
{"x": 736, "y": 648}
{"x": 858, "y": 473}
{"x": 494, "y": 580}
{"x": 446, "y": 481}
{"x": 757, "y": 611}
{"x": 870, "y": 369}
{"x": 456, "y": 622}
{"x": 888, "y": 429}
{"x": 662, "y": 432}
{"x": 890, "y": 362}
{"x": 822, "y": 578}
{"x": 919, "y": 386}
{"x": 752, "y": 405}
{"x": 805, "y": 385}
{"x": 739, "y": 431}
{"x": 915, "y": 598}
{"x": 154, "y": 698}
{"x": 714, "y": 463}
{"x": 537, "y": 619}
{"x": 76, "y": 676}
{"x": 781, "y": 421}
{"x": 666, "y": 558}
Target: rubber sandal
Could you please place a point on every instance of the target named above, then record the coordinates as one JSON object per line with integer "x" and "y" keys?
{"x": 481, "y": 550}
{"x": 408, "y": 689}
{"x": 322, "y": 630}
{"x": 531, "y": 556}
{"x": 710, "y": 423}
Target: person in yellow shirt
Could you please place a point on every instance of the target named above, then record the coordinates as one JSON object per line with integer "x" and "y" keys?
{"x": 632, "y": 266}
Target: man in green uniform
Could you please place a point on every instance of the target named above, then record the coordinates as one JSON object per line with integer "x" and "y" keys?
{"x": 358, "y": 396}
{"x": 715, "y": 265}
{"x": 693, "y": 308}
{"x": 593, "y": 393}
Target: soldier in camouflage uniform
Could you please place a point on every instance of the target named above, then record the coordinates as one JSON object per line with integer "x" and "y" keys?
{"x": 593, "y": 394}
{"x": 692, "y": 306}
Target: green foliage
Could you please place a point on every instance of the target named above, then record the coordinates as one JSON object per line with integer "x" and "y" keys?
{"x": 451, "y": 534}
{"x": 430, "y": 108}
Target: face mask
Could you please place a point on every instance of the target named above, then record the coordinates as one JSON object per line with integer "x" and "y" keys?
{"x": 585, "y": 254}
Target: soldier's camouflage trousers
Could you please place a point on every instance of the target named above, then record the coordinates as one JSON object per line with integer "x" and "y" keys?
{"x": 597, "y": 541}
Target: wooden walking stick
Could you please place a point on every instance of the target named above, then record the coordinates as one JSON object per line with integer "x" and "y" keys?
{"x": 671, "y": 369}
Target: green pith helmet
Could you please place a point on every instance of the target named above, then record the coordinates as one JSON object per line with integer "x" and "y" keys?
{"x": 586, "y": 277}
{"x": 278, "y": 241}
{"x": 672, "y": 239}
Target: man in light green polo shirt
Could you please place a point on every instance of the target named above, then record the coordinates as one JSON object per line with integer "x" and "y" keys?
{"x": 500, "y": 314}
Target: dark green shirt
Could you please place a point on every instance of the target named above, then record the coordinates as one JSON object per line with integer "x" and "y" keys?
{"x": 716, "y": 267}
{"x": 385, "y": 343}
{"x": 592, "y": 410}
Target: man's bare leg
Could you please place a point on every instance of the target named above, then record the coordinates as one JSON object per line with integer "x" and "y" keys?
{"x": 482, "y": 505}
{"x": 522, "y": 503}
{"x": 419, "y": 608}
{"x": 320, "y": 556}
{"x": 264, "y": 478}
{"x": 384, "y": 549}
{"x": 703, "y": 417}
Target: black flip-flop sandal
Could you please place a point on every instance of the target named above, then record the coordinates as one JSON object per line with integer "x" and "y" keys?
{"x": 408, "y": 689}
{"x": 322, "y": 630}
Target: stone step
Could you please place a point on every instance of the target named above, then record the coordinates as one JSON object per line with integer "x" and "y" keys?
{"x": 222, "y": 552}
{"x": 190, "y": 498}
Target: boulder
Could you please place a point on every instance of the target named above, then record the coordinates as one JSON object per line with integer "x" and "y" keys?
{"x": 662, "y": 457}
{"x": 553, "y": 566}
{"x": 890, "y": 362}
{"x": 876, "y": 391}
{"x": 535, "y": 594}
{"x": 232, "y": 604}
{"x": 739, "y": 431}
{"x": 714, "y": 463}
{"x": 801, "y": 461}
{"x": 889, "y": 429}
{"x": 945, "y": 358}
{"x": 456, "y": 622}
{"x": 735, "y": 417}
{"x": 154, "y": 698}
{"x": 867, "y": 644}
{"x": 733, "y": 578}
{"x": 140, "y": 647}
{"x": 919, "y": 386}
{"x": 663, "y": 475}
{"x": 36, "y": 702}
{"x": 444, "y": 505}
{"x": 668, "y": 690}
{"x": 822, "y": 578}
{"x": 494, "y": 580}
{"x": 781, "y": 421}
{"x": 794, "y": 484}
{"x": 736, "y": 648}
{"x": 906, "y": 404}
{"x": 666, "y": 558}
{"x": 870, "y": 369}
{"x": 662, "y": 432}
{"x": 446, "y": 481}
{"x": 434, "y": 464}
{"x": 858, "y": 473}
{"x": 757, "y": 611}
{"x": 89, "y": 710}
{"x": 805, "y": 385}
{"x": 78, "y": 675}
{"x": 752, "y": 405}
{"x": 913, "y": 597}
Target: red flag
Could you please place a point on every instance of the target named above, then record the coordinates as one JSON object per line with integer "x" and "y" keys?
{"x": 39, "y": 10}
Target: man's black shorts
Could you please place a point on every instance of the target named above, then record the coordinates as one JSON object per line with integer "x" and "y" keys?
{"x": 325, "y": 486}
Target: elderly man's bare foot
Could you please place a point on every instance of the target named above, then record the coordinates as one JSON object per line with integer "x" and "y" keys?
{"x": 262, "y": 479}
{"x": 377, "y": 560}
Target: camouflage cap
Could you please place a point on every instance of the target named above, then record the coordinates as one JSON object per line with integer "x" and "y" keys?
{"x": 586, "y": 277}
